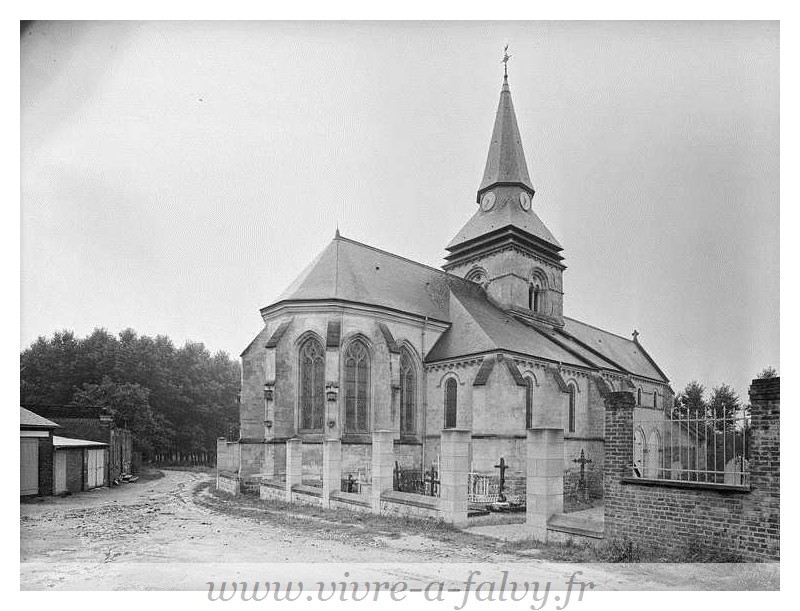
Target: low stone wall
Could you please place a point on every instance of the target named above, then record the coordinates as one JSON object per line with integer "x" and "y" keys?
{"x": 713, "y": 518}
{"x": 307, "y": 495}
{"x": 350, "y": 502}
{"x": 272, "y": 491}
{"x": 228, "y": 482}
{"x": 409, "y": 505}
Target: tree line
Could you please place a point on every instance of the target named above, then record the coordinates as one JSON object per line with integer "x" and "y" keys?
{"x": 723, "y": 407}
{"x": 171, "y": 399}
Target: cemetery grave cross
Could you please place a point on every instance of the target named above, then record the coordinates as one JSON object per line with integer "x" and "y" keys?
{"x": 502, "y": 466}
{"x": 582, "y": 480}
{"x": 432, "y": 478}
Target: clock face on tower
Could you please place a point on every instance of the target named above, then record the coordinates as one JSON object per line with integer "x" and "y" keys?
{"x": 487, "y": 201}
{"x": 525, "y": 201}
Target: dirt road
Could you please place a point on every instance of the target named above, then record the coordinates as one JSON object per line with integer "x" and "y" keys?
{"x": 172, "y": 533}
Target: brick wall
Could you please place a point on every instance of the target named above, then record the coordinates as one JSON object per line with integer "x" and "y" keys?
{"x": 683, "y": 516}
{"x": 46, "y": 465}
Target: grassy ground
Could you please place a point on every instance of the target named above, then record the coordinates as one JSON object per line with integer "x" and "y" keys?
{"x": 340, "y": 523}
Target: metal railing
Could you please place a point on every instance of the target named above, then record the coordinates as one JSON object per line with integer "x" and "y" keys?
{"x": 695, "y": 448}
{"x": 485, "y": 489}
{"x": 417, "y": 480}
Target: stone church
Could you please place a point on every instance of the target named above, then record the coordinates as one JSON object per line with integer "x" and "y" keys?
{"x": 366, "y": 340}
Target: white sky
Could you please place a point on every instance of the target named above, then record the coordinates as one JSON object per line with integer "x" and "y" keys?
{"x": 177, "y": 176}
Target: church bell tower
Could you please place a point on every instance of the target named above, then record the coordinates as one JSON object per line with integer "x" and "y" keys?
{"x": 505, "y": 247}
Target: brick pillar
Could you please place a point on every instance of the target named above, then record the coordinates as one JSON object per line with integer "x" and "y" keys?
{"x": 545, "y": 478}
{"x": 294, "y": 465}
{"x": 331, "y": 469}
{"x": 382, "y": 466}
{"x": 618, "y": 454}
{"x": 454, "y": 474}
{"x": 765, "y": 455}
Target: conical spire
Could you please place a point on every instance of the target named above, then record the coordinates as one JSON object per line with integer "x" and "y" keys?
{"x": 505, "y": 164}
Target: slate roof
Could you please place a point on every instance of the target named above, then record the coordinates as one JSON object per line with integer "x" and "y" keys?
{"x": 358, "y": 273}
{"x": 505, "y": 165}
{"x": 626, "y": 353}
{"x": 480, "y": 326}
{"x": 505, "y": 162}
{"x": 355, "y": 272}
{"x": 506, "y": 213}
{"x": 29, "y": 420}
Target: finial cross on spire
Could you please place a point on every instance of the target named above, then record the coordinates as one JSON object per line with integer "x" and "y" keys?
{"x": 505, "y": 59}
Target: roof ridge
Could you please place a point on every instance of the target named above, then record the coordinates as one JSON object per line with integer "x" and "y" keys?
{"x": 396, "y": 256}
{"x": 599, "y": 329}
{"x": 558, "y": 343}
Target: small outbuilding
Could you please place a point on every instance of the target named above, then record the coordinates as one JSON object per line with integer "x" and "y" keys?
{"x": 35, "y": 453}
{"x": 93, "y": 424}
{"x": 79, "y": 464}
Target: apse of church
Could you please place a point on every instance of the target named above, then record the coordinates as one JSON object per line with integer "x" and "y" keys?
{"x": 365, "y": 340}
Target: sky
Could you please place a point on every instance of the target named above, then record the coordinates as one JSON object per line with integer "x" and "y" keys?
{"x": 177, "y": 176}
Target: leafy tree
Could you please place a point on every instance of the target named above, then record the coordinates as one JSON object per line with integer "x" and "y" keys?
{"x": 724, "y": 407}
{"x": 128, "y": 404}
{"x": 174, "y": 399}
{"x": 768, "y": 373}
{"x": 690, "y": 402}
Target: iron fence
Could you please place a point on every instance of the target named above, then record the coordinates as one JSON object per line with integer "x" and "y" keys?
{"x": 487, "y": 488}
{"x": 701, "y": 448}
{"x": 417, "y": 480}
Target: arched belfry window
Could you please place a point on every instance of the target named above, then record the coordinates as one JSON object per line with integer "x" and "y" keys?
{"x": 450, "y": 404}
{"x": 534, "y": 297}
{"x": 571, "y": 409}
{"x": 408, "y": 394}
{"x": 356, "y": 388}
{"x": 312, "y": 385}
{"x": 528, "y": 403}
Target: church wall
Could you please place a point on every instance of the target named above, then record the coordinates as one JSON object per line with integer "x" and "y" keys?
{"x": 408, "y": 455}
{"x": 384, "y": 371}
{"x": 436, "y": 378}
{"x": 286, "y": 368}
{"x": 312, "y": 464}
{"x": 499, "y": 406}
{"x": 251, "y": 407}
{"x": 357, "y": 461}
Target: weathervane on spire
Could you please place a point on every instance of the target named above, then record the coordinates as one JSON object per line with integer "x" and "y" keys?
{"x": 506, "y": 57}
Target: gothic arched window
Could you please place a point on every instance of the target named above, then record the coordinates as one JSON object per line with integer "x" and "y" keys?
{"x": 408, "y": 394}
{"x": 312, "y": 385}
{"x": 652, "y": 459}
{"x": 356, "y": 388}
{"x": 528, "y": 403}
{"x": 450, "y": 404}
{"x": 571, "y": 410}
{"x": 639, "y": 452}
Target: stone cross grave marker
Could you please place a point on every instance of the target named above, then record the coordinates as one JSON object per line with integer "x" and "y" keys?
{"x": 501, "y": 497}
{"x": 583, "y": 461}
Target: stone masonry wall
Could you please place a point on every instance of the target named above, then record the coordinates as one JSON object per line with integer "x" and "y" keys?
{"x": 680, "y": 516}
